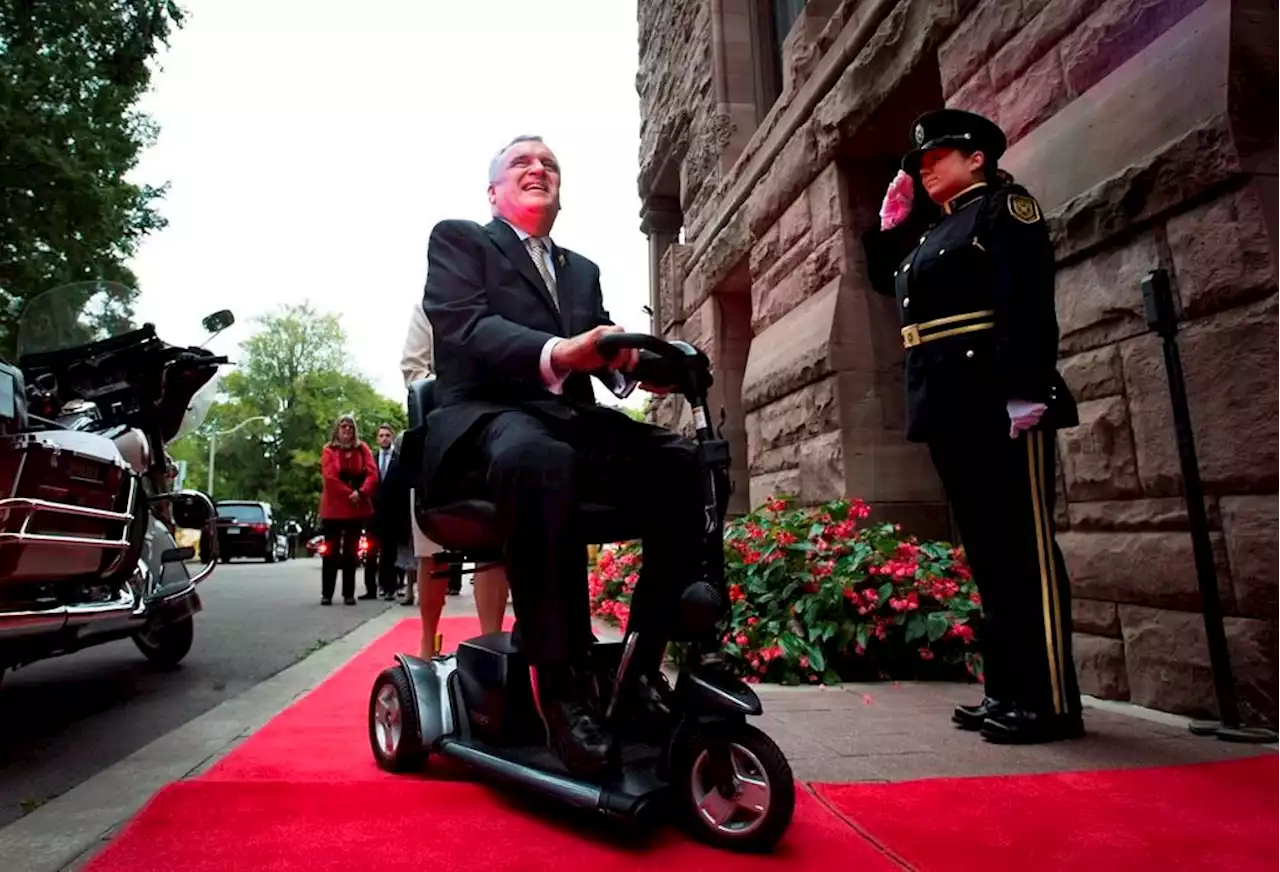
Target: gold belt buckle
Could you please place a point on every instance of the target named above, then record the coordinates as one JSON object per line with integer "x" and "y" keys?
{"x": 910, "y": 336}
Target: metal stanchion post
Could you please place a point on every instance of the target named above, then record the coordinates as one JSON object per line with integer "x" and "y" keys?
{"x": 1162, "y": 317}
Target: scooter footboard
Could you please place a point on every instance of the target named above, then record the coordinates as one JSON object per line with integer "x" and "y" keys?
{"x": 429, "y": 683}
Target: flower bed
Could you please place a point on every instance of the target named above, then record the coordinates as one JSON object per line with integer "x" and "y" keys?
{"x": 818, "y": 598}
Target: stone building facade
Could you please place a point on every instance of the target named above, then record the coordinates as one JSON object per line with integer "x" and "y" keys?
{"x": 1147, "y": 130}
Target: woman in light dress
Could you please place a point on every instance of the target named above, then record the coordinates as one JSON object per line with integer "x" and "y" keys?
{"x": 491, "y": 589}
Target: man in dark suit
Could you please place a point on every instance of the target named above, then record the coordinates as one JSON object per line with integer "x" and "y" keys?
{"x": 380, "y": 571}
{"x": 516, "y": 320}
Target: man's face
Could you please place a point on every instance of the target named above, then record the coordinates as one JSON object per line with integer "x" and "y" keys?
{"x": 526, "y": 190}
{"x": 384, "y": 438}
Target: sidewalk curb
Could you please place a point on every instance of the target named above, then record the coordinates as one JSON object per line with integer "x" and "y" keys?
{"x": 66, "y": 832}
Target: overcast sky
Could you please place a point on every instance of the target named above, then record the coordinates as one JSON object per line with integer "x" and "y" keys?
{"x": 310, "y": 145}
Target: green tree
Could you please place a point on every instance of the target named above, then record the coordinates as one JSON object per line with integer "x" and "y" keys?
{"x": 71, "y": 74}
{"x": 293, "y": 373}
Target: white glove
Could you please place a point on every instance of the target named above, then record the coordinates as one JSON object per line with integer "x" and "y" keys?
{"x": 1023, "y": 415}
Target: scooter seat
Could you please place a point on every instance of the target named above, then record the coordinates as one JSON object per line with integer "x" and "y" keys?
{"x": 471, "y": 526}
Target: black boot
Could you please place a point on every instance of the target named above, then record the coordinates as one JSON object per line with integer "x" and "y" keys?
{"x": 970, "y": 717}
{"x": 565, "y": 702}
{"x": 1015, "y": 726}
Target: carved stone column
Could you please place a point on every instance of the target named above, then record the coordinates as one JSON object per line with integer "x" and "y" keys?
{"x": 661, "y": 220}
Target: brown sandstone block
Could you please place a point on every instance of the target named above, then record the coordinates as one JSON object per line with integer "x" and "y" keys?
{"x": 1096, "y": 617}
{"x": 1099, "y": 299}
{"x": 1100, "y": 666}
{"x": 1150, "y": 569}
{"x": 1041, "y": 34}
{"x": 765, "y": 251}
{"x": 1250, "y": 526}
{"x": 977, "y": 95}
{"x": 1168, "y": 661}
{"x": 795, "y": 222}
{"x": 791, "y": 352}
{"x": 792, "y": 170}
{"x": 1222, "y": 253}
{"x": 1162, "y": 513}
{"x": 1038, "y": 93}
{"x": 982, "y": 31}
{"x": 1229, "y": 365}
{"x": 804, "y": 414}
{"x": 1097, "y": 456}
{"x": 783, "y": 482}
{"x": 1116, "y": 32}
{"x": 827, "y": 203}
{"x": 1092, "y": 375}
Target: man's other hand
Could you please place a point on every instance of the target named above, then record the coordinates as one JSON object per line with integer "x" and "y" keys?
{"x": 579, "y": 353}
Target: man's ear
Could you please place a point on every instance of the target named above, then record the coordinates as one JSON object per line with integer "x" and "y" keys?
{"x": 977, "y": 161}
{"x": 493, "y": 196}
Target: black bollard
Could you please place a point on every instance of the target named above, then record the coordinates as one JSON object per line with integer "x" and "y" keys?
{"x": 1162, "y": 318}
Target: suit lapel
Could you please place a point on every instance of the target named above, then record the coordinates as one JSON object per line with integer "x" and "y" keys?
{"x": 510, "y": 245}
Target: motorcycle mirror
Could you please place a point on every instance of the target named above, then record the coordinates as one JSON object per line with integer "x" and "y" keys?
{"x": 191, "y": 511}
{"x": 217, "y": 322}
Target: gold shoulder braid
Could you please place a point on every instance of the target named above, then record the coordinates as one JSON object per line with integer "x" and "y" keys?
{"x": 1025, "y": 209}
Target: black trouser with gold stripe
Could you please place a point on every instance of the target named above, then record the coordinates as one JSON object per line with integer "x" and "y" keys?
{"x": 1001, "y": 492}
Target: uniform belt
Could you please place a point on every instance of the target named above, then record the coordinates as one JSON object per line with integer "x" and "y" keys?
{"x": 927, "y": 331}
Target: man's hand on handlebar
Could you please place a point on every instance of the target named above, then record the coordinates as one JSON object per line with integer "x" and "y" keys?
{"x": 579, "y": 353}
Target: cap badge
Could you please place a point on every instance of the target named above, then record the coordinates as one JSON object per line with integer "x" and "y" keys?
{"x": 919, "y": 134}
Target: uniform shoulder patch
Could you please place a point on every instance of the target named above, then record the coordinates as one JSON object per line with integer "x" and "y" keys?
{"x": 1024, "y": 208}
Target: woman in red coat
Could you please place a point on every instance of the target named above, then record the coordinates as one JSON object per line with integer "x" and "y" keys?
{"x": 346, "y": 504}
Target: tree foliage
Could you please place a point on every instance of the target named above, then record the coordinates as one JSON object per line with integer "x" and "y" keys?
{"x": 71, "y": 74}
{"x": 292, "y": 373}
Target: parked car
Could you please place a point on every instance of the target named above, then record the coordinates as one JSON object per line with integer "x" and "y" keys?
{"x": 246, "y": 529}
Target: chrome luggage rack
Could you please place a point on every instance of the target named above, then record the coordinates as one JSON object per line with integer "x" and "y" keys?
{"x": 32, "y": 509}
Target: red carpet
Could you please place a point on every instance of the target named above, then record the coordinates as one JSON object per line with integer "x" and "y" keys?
{"x": 1206, "y": 816}
{"x": 304, "y": 794}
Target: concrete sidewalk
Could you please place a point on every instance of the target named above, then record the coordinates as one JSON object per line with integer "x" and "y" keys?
{"x": 874, "y": 732}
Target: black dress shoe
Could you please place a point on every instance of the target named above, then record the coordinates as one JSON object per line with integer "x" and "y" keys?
{"x": 971, "y": 717}
{"x": 575, "y": 731}
{"x": 1013, "y": 726}
{"x": 349, "y": 600}
{"x": 368, "y": 596}
{"x": 326, "y": 600}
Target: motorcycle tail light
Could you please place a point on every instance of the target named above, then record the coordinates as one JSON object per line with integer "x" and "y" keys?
{"x": 323, "y": 549}
{"x": 362, "y": 549}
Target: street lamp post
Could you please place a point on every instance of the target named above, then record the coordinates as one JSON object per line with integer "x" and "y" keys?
{"x": 213, "y": 444}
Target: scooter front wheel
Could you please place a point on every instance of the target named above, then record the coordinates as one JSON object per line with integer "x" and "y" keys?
{"x": 394, "y": 733}
{"x": 735, "y": 788}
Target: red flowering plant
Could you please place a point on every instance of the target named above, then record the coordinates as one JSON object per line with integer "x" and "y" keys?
{"x": 818, "y": 597}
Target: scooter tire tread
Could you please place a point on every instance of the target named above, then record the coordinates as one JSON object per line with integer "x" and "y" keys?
{"x": 174, "y": 646}
{"x": 410, "y": 756}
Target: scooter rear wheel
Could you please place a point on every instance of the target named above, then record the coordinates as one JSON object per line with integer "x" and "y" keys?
{"x": 736, "y": 789}
{"x": 394, "y": 733}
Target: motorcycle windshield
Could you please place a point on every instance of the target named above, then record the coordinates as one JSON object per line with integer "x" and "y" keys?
{"x": 197, "y": 410}
{"x": 73, "y": 315}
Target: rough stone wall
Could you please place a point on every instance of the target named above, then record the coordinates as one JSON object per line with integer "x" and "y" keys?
{"x": 1137, "y": 125}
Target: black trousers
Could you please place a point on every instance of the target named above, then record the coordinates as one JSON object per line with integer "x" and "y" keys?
{"x": 539, "y": 470}
{"x": 342, "y": 537}
{"x": 1002, "y": 492}
{"x": 380, "y": 573}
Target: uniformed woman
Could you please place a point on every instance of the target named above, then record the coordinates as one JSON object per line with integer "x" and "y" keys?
{"x": 971, "y": 264}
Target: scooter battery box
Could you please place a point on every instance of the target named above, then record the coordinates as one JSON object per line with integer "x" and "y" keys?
{"x": 494, "y": 683}
{"x": 46, "y": 479}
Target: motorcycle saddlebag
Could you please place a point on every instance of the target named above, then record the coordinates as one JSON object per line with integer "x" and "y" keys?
{"x": 13, "y": 400}
{"x": 67, "y": 502}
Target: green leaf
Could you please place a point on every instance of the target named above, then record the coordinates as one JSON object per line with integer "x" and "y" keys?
{"x": 916, "y": 628}
{"x": 864, "y": 633}
{"x": 885, "y": 591}
{"x": 816, "y": 661}
{"x": 938, "y": 623}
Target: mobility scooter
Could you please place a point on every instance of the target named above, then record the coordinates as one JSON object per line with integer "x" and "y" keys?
{"x": 697, "y": 759}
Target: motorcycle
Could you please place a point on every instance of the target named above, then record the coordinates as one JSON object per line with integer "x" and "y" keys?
{"x": 88, "y": 514}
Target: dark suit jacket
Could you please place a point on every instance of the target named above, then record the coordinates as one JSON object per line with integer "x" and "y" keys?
{"x": 492, "y": 314}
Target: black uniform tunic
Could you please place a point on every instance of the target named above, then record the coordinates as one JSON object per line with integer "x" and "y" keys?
{"x": 975, "y": 292}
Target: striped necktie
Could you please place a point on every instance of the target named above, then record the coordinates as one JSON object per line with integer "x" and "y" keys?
{"x": 537, "y": 251}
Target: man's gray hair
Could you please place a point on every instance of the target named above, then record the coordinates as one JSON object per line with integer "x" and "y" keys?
{"x": 495, "y": 165}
